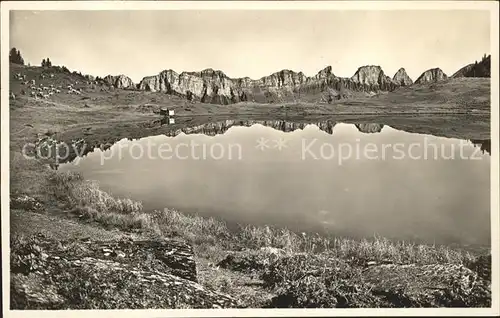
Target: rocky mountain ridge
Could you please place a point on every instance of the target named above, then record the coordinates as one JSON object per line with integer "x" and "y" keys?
{"x": 220, "y": 127}
{"x": 214, "y": 86}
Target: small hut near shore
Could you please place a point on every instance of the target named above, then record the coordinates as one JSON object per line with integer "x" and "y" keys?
{"x": 166, "y": 112}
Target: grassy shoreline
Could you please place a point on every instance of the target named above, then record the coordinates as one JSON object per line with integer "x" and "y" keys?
{"x": 279, "y": 256}
{"x": 84, "y": 199}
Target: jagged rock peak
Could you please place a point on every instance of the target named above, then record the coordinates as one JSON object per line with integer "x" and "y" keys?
{"x": 431, "y": 76}
{"x": 373, "y": 77}
{"x": 325, "y": 73}
{"x": 208, "y": 72}
{"x": 119, "y": 81}
{"x": 169, "y": 71}
{"x": 401, "y": 78}
{"x": 283, "y": 78}
{"x": 368, "y": 74}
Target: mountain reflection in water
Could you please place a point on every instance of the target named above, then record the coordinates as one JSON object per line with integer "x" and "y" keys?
{"x": 432, "y": 199}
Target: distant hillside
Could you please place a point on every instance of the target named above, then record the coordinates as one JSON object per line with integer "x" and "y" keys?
{"x": 26, "y": 79}
{"x": 477, "y": 69}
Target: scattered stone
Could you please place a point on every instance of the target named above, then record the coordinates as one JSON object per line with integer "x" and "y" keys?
{"x": 25, "y": 202}
{"x": 273, "y": 250}
{"x": 245, "y": 261}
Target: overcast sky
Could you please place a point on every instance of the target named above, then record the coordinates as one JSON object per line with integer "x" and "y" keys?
{"x": 251, "y": 43}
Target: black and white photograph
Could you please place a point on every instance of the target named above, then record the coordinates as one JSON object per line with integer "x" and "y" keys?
{"x": 249, "y": 158}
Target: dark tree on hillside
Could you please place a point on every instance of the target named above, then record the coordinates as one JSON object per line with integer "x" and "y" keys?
{"x": 46, "y": 63}
{"x": 15, "y": 56}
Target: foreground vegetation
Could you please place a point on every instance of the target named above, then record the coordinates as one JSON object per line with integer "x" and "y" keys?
{"x": 297, "y": 269}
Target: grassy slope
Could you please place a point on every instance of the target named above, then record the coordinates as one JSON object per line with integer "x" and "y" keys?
{"x": 113, "y": 114}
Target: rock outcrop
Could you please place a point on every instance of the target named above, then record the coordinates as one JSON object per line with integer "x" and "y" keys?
{"x": 47, "y": 274}
{"x": 119, "y": 81}
{"x": 431, "y": 76}
{"x": 481, "y": 69}
{"x": 174, "y": 257}
{"x": 401, "y": 78}
{"x": 437, "y": 285}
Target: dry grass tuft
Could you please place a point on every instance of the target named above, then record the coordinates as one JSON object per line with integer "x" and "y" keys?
{"x": 86, "y": 200}
{"x": 80, "y": 192}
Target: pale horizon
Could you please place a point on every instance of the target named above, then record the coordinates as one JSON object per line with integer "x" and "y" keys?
{"x": 251, "y": 43}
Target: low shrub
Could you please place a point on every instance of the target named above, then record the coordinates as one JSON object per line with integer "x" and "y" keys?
{"x": 317, "y": 281}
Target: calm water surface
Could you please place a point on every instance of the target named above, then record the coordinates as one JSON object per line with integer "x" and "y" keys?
{"x": 344, "y": 179}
